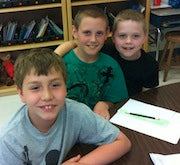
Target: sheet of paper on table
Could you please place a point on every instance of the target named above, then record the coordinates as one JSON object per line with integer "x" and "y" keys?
{"x": 159, "y": 159}
{"x": 164, "y": 127}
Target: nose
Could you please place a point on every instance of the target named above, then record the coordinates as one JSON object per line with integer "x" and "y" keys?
{"x": 93, "y": 38}
{"x": 46, "y": 95}
{"x": 128, "y": 39}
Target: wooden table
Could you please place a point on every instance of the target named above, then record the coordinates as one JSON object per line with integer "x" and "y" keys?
{"x": 165, "y": 96}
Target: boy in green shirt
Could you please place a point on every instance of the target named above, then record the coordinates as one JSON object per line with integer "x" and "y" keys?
{"x": 94, "y": 78}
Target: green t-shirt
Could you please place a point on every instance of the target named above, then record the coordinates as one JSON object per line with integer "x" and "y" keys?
{"x": 89, "y": 83}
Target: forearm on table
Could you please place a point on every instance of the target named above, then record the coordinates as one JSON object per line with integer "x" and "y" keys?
{"x": 102, "y": 109}
{"x": 105, "y": 104}
{"x": 109, "y": 152}
{"x": 110, "y": 104}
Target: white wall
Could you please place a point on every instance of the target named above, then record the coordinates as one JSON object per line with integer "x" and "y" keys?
{"x": 8, "y": 105}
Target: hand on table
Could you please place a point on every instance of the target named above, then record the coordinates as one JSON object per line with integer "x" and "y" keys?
{"x": 73, "y": 161}
{"x": 102, "y": 109}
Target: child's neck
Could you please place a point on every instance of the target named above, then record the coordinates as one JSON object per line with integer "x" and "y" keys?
{"x": 41, "y": 125}
{"x": 44, "y": 128}
{"x": 131, "y": 58}
{"x": 85, "y": 58}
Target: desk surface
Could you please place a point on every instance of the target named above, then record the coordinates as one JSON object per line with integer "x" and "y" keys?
{"x": 166, "y": 12}
{"x": 165, "y": 96}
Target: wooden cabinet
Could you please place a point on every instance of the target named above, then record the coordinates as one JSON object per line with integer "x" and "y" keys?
{"x": 62, "y": 8}
{"x": 73, "y": 4}
{"x": 22, "y": 11}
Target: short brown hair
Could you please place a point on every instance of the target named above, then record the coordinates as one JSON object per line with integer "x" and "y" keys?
{"x": 42, "y": 60}
{"x": 129, "y": 14}
{"x": 90, "y": 11}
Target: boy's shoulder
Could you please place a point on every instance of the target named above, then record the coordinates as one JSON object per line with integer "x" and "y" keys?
{"x": 106, "y": 56}
{"x": 69, "y": 53}
{"x": 74, "y": 106}
{"x": 12, "y": 124}
{"x": 70, "y": 57}
{"x": 147, "y": 55}
{"x": 108, "y": 59}
{"x": 145, "y": 59}
{"x": 148, "y": 59}
{"x": 78, "y": 112}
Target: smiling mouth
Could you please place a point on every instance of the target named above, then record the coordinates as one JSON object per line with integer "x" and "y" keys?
{"x": 127, "y": 48}
{"x": 48, "y": 108}
{"x": 92, "y": 46}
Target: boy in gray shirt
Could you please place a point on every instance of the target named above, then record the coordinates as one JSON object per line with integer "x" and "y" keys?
{"x": 48, "y": 125}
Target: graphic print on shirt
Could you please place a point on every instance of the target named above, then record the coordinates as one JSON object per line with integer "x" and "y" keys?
{"x": 52, "y": 157}
{"x": 87, "y": 83}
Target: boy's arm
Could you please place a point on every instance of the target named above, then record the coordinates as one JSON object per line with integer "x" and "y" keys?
{"x": 102, "y": 109}
{"x": 108, "y": 153}
{"x": 65, "y": 47}
{"x": 74, "y": 161}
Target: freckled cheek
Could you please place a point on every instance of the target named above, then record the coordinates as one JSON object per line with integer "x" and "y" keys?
{"x": 31, "y": 102}
{"x": 83, "y": 39}
{"x": 118, "y": 44}
{"x": 118, "y": 40}
{"x": 139, "y": 45}
{"x": 29, "y": 97}
{"x": 139, "y": 42}
{"x": 83, "y": 42}
{"x": 61, "y": 94}
{"x": 34, "y": 99}
{"x": 102, "y": 39}
{"x": 101, "y": 42}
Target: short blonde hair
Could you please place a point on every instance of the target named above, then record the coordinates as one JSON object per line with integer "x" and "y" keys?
{"x": 129, "y": 14}
{"x": 90, "y": 11}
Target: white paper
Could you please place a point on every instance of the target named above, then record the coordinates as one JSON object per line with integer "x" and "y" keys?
{"x": 159, "y": 159}
{"x": 166, "y": 128}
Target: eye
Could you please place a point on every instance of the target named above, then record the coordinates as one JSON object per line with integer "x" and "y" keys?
{"x": 55, "y": 84}
{"x": 135, "y": 36}
{"x": 122, "y": 36}
{"x": 34, "y": 87}
{"x": 87, "y": 33}
{"x": 99, "y": 33}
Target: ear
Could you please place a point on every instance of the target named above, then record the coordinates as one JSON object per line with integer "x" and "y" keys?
{"x": 107, "y": 32}
{"x": 113, "y": 39}
{"x": 146, "y": 37}
{"x": 20, "y": 93}
{"x": 74, "y": 32}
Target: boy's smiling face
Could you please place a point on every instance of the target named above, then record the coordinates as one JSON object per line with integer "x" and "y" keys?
{"x": 91, "y": 35}
{"x": 44, "y": 96}
{"x": 129, "y": 38}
